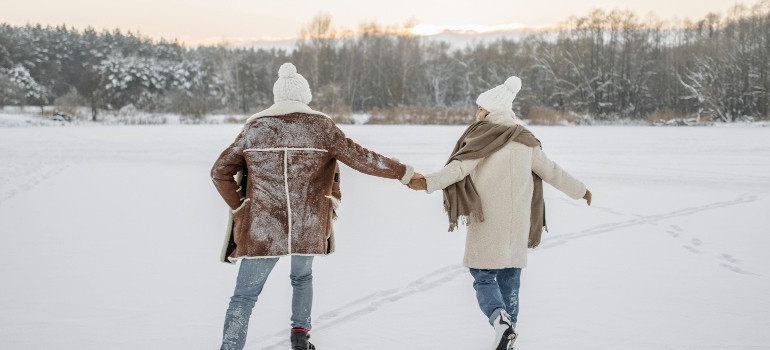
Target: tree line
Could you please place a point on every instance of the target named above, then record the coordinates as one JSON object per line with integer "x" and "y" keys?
{"x": 607, "y": 65}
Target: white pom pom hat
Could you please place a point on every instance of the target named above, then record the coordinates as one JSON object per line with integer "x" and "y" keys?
{"x": 291, "y": 86}
{"x": 500, "y": 98}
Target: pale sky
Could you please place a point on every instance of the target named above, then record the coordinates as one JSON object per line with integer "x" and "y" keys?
{"x": 196, "y": 21}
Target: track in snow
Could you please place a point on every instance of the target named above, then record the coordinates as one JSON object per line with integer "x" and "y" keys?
{"x": 373, "y": 302}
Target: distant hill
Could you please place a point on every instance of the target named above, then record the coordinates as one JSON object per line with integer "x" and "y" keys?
{"x": 457, "y": 38}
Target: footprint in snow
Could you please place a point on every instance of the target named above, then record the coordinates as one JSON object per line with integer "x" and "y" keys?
{"x": 737, "y": 269}
{"x": 731, "y": 259}
{"x": 692, "y": 249}
{"x": 696, "y": 242}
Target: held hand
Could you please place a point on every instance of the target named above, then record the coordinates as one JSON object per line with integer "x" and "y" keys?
{"x": 417, "y": 176}
{"x": 418, "y": 184}
{"x": 587, "y": 197}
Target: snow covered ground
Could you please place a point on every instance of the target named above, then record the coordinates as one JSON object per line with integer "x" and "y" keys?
{"x": 109, "y": 239}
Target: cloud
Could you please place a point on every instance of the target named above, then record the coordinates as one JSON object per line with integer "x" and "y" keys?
{"x": 470, "y": 29}
{"x": 236, "y": 41}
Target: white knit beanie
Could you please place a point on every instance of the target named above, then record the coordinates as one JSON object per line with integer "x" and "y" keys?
{"x": 291, "y": 86}
{"x": 501, "y": 97}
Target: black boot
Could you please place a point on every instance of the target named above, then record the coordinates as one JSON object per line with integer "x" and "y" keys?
{"x": 299, "y": 341}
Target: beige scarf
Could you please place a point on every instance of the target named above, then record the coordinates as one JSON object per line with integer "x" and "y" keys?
{"x": 482, "y": 138}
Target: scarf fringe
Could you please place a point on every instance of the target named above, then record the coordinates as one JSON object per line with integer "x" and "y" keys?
{"x": 532, "y": 245}
{"x": 465, "y": 220}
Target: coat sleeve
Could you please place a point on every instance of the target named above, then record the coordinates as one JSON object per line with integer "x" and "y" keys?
{"x": 364, "y": 160}
{"x": 229, "y": 163}
{"x": 455, "y": 171}
{"x": 553, "y": 174}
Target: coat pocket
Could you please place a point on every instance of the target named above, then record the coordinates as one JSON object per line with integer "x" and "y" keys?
{"x": 238, "y": 219}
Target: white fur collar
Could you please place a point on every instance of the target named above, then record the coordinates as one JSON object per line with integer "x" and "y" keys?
{"x": 504, "y": 117}
{"x": 284, "y": 108}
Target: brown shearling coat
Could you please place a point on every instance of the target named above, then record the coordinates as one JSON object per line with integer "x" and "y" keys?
{"x": 289, "y": 162}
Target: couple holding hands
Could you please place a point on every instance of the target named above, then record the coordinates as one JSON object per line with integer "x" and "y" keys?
{"x": 280, "y": 179}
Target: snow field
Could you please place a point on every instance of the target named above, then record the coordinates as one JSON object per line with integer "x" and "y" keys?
{"x": 109, "y": 238}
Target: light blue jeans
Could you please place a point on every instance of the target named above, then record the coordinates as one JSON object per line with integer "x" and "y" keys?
{"x": 498, "y": 290}
{"x": 251, "y": 278}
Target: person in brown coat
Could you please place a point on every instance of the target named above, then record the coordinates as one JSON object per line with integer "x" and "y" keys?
{"x": 287, "y": 156}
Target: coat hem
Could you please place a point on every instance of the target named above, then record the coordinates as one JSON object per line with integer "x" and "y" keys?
{"x": 223, "y": 253}
{"x": 489, "y": 267}
{"x": 432, "y": 182}
{"x": 233, "y": 260}
{"x": 408, "y": 175}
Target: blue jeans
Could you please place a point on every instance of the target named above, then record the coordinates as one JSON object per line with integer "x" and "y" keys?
{"x": 251, "y": 278}
{"x": 498, "y": 290}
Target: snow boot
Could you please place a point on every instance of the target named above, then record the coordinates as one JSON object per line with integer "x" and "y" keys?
{"x": 504, "y": 332}
{"x": 299, "y": 339}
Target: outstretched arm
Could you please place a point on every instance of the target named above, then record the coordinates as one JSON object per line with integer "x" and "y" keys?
{"x": 366, "y": 161}
{"x": 451, "y": 173}
{"x": 553, "y": 174}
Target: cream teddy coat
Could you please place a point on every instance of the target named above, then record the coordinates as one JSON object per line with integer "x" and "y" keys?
{"x": 504, "y": 183}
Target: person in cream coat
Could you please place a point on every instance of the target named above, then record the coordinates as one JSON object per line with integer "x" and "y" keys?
{"x": 496, "y": 248}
